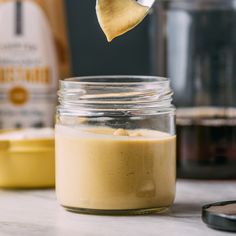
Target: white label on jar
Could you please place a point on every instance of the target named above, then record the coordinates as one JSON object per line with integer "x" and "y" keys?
{"x": 28, "y": 66}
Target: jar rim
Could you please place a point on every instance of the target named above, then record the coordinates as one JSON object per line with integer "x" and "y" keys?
{"x": 115, "y": 80}
{"x": 115, "y": 95}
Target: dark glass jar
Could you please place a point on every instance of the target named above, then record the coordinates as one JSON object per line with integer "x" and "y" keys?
{"x": 200, "y": 37}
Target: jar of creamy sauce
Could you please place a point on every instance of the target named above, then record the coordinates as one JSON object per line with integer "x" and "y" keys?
{"x": 115, "y": 145}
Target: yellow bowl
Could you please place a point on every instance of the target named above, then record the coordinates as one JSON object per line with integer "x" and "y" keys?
{"x": 27, "y": 163}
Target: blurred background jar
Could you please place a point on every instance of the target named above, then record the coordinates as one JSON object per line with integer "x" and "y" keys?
{"x": 34, "y": 54}
{"x": 194, "y": 43}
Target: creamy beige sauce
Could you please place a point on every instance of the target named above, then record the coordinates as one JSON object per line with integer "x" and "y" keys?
{"x": 116, "y": 17}
{"x": 98, "y": 169}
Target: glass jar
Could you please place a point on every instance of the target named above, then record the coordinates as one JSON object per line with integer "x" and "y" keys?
{"x": 199, "y": 36}
{"x": 115, "y": 145}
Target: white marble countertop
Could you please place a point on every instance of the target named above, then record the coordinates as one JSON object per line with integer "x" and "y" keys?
{"x": 33, "y": 213}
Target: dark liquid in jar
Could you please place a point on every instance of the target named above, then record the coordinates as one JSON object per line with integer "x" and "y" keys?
{"x": 207, "y": 149}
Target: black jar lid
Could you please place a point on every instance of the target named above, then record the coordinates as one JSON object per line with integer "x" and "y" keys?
{"x": 220, "y": 215}
{"x": 198, "y": 4}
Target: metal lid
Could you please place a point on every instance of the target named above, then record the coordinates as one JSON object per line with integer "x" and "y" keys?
{"x": 220, "y": 215}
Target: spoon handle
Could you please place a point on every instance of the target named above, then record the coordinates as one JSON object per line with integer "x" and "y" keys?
{"x": 146, "y": 3}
